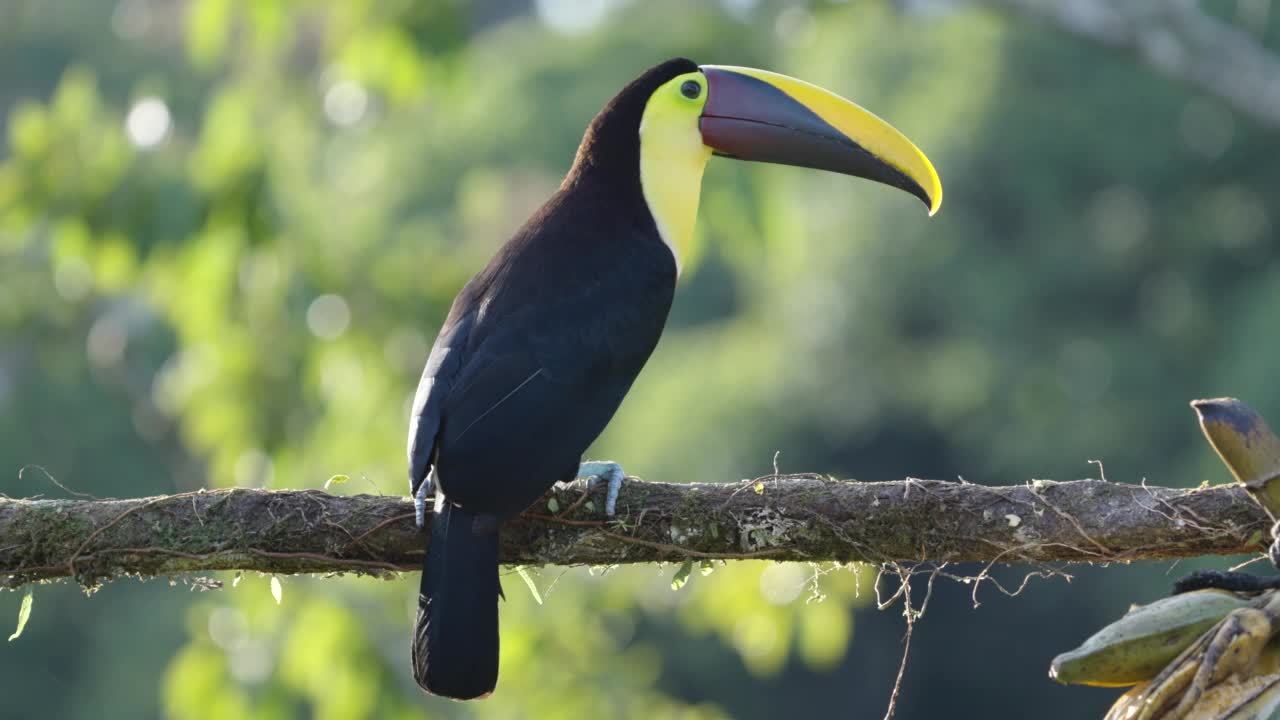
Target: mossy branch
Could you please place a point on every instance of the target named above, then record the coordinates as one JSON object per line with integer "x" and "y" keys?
{"x": 784, "y": 518}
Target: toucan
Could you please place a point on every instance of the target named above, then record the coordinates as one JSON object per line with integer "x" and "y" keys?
{"x": 540, "y": 346}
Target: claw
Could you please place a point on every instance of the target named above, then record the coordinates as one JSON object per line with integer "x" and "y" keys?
{"x": 420, "y": 502}
{"x": 596, "y": 470}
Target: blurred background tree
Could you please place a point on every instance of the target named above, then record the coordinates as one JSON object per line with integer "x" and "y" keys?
{"x": 230, "y": 229}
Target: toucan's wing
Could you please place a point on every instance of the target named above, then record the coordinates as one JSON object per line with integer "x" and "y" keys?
{"x": 489, "y": 382}
{"x": 475, "y": 368}
{"x": 438, "y": 377}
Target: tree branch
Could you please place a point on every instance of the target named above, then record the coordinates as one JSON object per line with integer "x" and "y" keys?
{"x": 1176, "y": 37}
{"x": 782, "y": 518}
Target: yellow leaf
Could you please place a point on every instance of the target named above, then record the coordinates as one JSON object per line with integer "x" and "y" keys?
{"x": 24, "y": 614}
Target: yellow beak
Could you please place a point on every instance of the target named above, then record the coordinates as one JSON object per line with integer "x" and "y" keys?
{"x": 763, "y": 116}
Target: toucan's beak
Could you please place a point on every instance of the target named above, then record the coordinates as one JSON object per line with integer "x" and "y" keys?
{"x": 758, "y": 115}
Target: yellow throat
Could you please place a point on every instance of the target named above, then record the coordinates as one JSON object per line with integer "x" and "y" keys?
{"x": 672, "y": 159}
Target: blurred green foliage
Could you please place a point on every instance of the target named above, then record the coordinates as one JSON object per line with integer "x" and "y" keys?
{"x": 229, "y": 230}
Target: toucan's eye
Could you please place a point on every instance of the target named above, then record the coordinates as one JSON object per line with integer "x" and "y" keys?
{"x": 691, "y": 89}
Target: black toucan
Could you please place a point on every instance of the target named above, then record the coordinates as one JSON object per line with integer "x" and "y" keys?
{"x": 540, "y": 347}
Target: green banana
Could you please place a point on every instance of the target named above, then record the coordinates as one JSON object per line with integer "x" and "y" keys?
{"x": 1139, "y": 645}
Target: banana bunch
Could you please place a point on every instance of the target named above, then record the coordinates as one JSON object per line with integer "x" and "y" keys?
{"x": 1202, "y": 655}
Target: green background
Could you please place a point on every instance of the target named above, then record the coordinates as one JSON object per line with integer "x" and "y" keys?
{"x": 229, "y": 231}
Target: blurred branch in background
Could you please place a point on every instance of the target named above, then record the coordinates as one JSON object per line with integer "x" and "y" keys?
{"x": 1176, "y": 37}
{"x": 805, "y": 518}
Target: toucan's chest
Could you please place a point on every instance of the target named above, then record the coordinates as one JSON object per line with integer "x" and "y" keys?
{"x": 582, "y": 282}
{"x": 549, "y": 336}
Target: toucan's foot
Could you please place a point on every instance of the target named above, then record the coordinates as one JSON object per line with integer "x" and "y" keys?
{"x": 611, "y": 472}
{"x": 425, "y": 490}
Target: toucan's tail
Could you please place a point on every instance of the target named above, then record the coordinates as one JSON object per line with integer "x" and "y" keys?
{"x": 455, "y": 637}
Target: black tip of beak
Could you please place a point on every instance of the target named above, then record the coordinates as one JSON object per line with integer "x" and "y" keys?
{"x": 913, "y": 187}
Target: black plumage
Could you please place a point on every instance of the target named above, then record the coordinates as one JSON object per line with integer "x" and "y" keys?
{"x": 533, "y": 360}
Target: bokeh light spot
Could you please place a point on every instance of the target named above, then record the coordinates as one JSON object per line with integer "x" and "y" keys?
{"x": 228, "y": 628}
{"x": 572, "y": 17}
{"x": 345, "y": 103}
{"x": 740, "y": 9}
{"x": 148, "y": 123}
{"x": 251, "y": 663}
{"x": 107, "y": 341}
{"x": 328, "y": 317}
{"x": 781, "y": 583}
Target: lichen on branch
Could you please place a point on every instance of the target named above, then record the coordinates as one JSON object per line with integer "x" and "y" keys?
{"x": 795, "y": 517}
